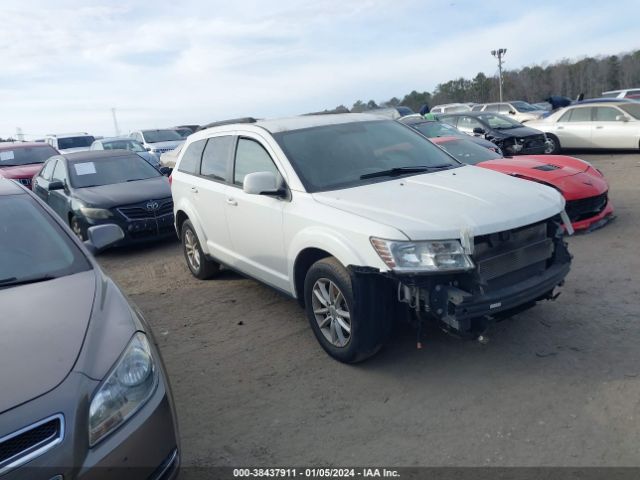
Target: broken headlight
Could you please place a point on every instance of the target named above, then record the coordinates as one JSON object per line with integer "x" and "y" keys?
{"x": 424, "y": 256}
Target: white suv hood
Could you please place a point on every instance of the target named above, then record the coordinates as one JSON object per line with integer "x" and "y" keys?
{"x": 440, "y": 205}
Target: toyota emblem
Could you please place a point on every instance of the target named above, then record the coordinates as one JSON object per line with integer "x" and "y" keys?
{"x": 151, "y": 206}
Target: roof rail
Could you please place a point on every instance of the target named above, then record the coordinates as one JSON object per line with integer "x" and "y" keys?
{"x": 228, "y": 122}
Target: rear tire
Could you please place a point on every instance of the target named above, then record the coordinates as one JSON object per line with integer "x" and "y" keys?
{"x": 329, "y": 304}
{"x": 199, "y": 265}
{"x": 552, "y": 146}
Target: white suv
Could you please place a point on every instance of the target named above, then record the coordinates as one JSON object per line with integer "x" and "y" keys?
{"x": 362, "y": 220}
{"x": 70, "y": 142}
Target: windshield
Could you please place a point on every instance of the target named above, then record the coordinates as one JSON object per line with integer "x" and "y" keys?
{"x": 107, "y": 171}
{"x": 126, "y": 144}
{"x": 26, "y": 155}
{"x": 75, "y": 142}
{"x": 498, "y": 122}
{"x": 631, "y": 109}
{"x": 523, "y": 106}
{"x": 155, "y": 136}
{"x": 437, "y": 129}
{"x": 32, "y": 245}
{"x": 336, "y": 156}
{"x": 468, "y": 152}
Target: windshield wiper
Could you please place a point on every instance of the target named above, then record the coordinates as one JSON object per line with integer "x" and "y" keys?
{"x": 13, "y": 281}
{"x": 392, "y": 172}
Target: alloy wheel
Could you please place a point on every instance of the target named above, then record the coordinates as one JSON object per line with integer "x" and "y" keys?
{"x": 331, "y": 312}
{"x": 191, "y": 248}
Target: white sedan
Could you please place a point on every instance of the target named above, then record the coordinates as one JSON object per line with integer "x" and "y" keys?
{"x": 614, "y": 125}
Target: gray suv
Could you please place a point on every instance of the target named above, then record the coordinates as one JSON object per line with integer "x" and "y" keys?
{"x": 83, "y": 388}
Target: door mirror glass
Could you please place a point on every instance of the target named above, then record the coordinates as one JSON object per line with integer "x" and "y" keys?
{"x": 56, "y": 185}
{"x": 621, "y": 118}
{"x": 103, "y": 236}
{"x": 261, "y": 183}
{"x": 479, "y": 131}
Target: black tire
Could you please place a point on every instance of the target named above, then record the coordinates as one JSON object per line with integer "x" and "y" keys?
{"x": 365, "y": 337}
{"x": 203, "y": 268}
{"x": 77, "y": 229}
{"x": 554, "y": 145}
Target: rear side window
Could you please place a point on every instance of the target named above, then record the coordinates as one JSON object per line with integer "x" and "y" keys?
{"x": 251, "y": 157}
{"x": 215, "y": 160}
{"x": 190, "y": 162}
{"x": 577, "y": 115}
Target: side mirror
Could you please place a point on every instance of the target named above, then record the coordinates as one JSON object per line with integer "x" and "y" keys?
{"x": 148, "y": 149}
{"x": 478, "y": 131}
{"x": 166, "y": 171}
{"x": 102, "y": 236}
{"x": 622, "y": 118}
{"x": 56, "y": 185}
{"x": 512, "y": 112}
{"x": 262, "y": 183}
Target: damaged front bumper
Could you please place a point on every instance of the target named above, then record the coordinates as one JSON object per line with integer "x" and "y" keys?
{"x": 513, "y": 270}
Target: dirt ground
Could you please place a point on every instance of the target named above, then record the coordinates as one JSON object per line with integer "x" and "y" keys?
{"x": 558, "y": 385}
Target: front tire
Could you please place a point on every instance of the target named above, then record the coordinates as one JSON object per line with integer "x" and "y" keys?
{"x": 199, "y": 265}
{"x": 329, "y": 304}
{"x": 552, "y": 146}
{"x": 76, "y": 227}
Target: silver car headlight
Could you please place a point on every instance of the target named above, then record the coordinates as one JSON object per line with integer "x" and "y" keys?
{"x": 423, "y": 256}
{"x": 96, "y": 213}
{"x": 124, "y": 391}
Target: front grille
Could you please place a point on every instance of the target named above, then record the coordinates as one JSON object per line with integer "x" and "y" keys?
{"x": 30, "y": 442}
{"x": 514, "y": 260}
{"x": 586, "y": 207}
{"x": 141, "y": 211}
{"x": 499, "y": 254}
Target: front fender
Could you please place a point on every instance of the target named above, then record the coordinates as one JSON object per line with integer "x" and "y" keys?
{"x": 348, "y": 251}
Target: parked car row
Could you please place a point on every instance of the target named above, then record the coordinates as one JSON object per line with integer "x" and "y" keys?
{"x": 361, "y": 218}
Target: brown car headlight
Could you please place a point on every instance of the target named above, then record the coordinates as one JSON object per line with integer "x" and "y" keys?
{"x": 128, "y": 386}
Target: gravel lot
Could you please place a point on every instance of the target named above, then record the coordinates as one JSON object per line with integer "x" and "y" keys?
{"x": 558, "y": 385}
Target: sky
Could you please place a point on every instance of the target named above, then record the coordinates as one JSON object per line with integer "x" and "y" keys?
{"x": 67, "y": 63}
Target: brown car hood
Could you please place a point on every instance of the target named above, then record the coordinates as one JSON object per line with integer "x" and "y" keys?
{"x": 42, "y": 328}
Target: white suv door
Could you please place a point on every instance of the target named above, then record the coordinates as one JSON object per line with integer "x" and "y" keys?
{"x": 201, "y": 180}
{"x": 256, "y": 221}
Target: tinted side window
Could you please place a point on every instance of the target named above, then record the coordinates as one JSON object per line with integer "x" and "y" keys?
{"x": 215, "y": 159}
{"x": 451, "y": 120}
{"x": 190, "y": 162}
{"x": 580, "y": 115}
{"x": 48, "y": 169}
{"x": 606, "y": 114}
{"x": 251, "y": 157}
{"x": 59, "y": 173}
{"x": 468, "y": 123}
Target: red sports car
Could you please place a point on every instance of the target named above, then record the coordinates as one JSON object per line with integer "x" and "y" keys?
{"x": 20, "y": 161}
{"x": 583, "y": 187}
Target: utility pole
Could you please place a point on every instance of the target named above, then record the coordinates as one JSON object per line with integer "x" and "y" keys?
{"x": 115, "y": 122}
{"x": 499, "y": 54}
